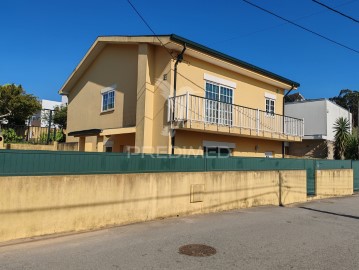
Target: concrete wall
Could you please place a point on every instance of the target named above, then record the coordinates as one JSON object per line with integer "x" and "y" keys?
{"x": 52, "y": 147}
{"x": 68, "y": 146}
{"x": 25, "y": 146}
{"x": 292, "y": 189}
{"x": 331, "y": 183}
{"x": 312, "y": 149}
{"x": 32, "y": 206}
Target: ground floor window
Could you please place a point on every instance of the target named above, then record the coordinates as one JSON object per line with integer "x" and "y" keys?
{"x": 217, "y": 151}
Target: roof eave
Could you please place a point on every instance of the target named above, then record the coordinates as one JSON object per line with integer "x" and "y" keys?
{"x": 235, "y": 61}
{"x": 102, "y": 40}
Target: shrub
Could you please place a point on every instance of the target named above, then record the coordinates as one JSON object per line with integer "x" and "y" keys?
{"x": 10, "y": 136}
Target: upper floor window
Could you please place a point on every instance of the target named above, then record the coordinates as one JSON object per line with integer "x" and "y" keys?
{"x": 270, "y": 103}
{"x": 108, "y": 100}
{"x": 219, "y": 99}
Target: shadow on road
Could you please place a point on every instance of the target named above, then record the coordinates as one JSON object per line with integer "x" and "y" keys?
{"x": 330, "y": 213}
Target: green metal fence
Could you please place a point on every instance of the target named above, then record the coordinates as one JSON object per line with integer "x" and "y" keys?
{"x": 355, "y": 167}
{"x": 19, "y": 163}
{"x": 310, "y": 165}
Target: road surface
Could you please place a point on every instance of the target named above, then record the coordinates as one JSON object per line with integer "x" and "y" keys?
{"x": 317, "y": 235}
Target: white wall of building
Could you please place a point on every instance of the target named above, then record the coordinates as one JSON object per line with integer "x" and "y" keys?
{"x": 64, "y": 100}
{"x": 50, "y": 104}
{"x": 41, "y": 117}
{"x": 313, "y": 113}
{"x": 319, "y": 117}
{"x": 334, "y": 112}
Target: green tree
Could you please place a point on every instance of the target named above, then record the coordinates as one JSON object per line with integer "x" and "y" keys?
{"x": 60, "y": 117}
{"x": 341, "y": 128}
{"x": 22, "y": 105}
{"x": 349, "y": 100}
{"x": 351, "y": 149}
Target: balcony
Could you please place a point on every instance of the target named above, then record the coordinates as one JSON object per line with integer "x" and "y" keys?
{"x": 201, "y": 114}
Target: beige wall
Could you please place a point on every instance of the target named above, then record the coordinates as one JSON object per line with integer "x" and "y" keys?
{"x": 32, "y": 206}
{"x": 89, "y": 144}
{"x": 115, "y": 65}
{"x": 145, "y": 90}
{"x": 162, "y": 90}
{"x": 14, "y": 146}
{"x": 249, "y": 92}
{"x": 121, "y": 142}
{"x": 330, "y": 183}
{"x": 188, "y": 142}
{"x": 153, "y": 90}
{"x": 293, "y": 188}
{"x": 312, "y": 149}
{"x": 53, "y": 147}
{"x": 68, "y": 147}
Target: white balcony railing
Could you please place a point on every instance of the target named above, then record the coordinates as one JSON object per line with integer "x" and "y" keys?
{"x": 198, "y": 109}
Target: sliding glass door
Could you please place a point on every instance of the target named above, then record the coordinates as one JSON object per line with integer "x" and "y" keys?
{"x": 219, "y": 100}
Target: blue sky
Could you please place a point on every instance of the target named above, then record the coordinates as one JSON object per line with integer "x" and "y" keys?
{"x": 43, "y": 41}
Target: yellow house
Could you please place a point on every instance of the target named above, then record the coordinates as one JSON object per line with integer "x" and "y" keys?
{"x": 167, "y": 94}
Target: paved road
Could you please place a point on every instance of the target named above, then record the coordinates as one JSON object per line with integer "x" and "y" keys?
{"x": 317, "y": 235}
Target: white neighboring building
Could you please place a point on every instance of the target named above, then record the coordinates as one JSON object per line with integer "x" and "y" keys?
{"x": 64, "y": 100}
{"x": 41, "y": 117}
{"x": 319, "y": 117}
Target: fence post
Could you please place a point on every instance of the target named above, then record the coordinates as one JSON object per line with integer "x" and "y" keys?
{"x": 55, "y": 133}
{"x": 49, "y": 128}
{"x": 280, "y": 183}
{"x": 28, "y": 129}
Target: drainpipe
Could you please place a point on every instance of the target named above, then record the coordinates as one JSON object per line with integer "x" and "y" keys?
{"x": 290, "y": 90}
{"x": 178, "y": 60}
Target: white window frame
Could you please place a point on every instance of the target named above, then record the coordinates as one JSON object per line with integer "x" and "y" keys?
{"x": 220, "y": 85}
{"x": 105, "y": 92}
{"x": 224, "y": 82}
{"x": 269, "y": 112}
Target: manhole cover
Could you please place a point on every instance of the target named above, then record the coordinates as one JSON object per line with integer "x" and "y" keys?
{"x": 197, "y": 250}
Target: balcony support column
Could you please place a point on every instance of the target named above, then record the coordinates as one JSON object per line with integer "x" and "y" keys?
{"x": 145, "y": 93}
{"x": 179, "y": 60}
{"x": 187, "y": 104}
{"x": 283, "y": 113}
{"x": 257, "y": 119}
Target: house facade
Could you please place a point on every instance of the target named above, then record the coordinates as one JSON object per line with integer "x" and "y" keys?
{"x": 168, "y": 95}
{"x": 319, "y": 117}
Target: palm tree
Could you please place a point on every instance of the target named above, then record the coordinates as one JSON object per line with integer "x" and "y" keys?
{"x": 342, "y": 133}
